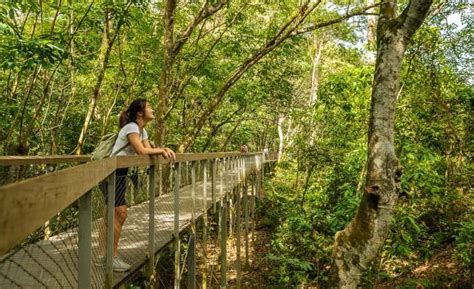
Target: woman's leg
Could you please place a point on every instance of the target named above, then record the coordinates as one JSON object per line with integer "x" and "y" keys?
{"x": 119, "y": 220}
{"x": 120, "y": 205}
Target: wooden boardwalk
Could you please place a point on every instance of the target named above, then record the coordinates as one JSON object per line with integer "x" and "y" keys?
{"x": 54, "y": 263}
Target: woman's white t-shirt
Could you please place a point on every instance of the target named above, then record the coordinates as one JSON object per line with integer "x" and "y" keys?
{"x": 122, "y": 139}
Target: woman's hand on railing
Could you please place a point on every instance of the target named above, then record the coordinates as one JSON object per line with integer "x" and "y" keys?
{"x": 168, "y": 154}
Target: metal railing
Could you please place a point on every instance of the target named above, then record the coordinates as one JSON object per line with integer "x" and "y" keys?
{"x": 51, "y": 224}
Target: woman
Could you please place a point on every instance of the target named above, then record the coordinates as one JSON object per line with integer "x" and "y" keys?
{"x": 133, "y": 133}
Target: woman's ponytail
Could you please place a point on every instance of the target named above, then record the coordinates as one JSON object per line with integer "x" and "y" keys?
{"x": 124, "y": 118}
{"x": 129, "y": 115}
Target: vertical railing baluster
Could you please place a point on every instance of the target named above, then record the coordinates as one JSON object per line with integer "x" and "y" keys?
{"x": 262, "y": 175}
{"x": 204, "y": 229}
{"x": 237, "y": 224}
{"x": 246, "y": 220}
{"x": 231, "y": 184}
{"x": 214, "y": 181}
{"x": 151, "y": 225}
{"x": 192, "y": 243}
{"x": 177, "y": 254}
{"x": 85, "y": 241}
{"x": 252, "y": 209}
{"x": 110, "y": 229}
{"x": 223, "y": 241}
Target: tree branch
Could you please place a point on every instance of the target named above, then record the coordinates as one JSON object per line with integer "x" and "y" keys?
{"x": 413, "y": 16}
{"x": 355, "y": 12}
{"x": 203, "y": 13}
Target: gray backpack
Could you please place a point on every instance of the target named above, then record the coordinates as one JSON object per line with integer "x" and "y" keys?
{"x": 105, "y": 146}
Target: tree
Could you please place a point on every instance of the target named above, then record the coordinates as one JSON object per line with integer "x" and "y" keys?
{"x": 359, "y": 243}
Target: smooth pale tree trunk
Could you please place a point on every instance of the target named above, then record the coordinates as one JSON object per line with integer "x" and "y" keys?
{"x": 360, "y": 242}
{"x": 281, "y": 137}
{"x": 314, "y": 75}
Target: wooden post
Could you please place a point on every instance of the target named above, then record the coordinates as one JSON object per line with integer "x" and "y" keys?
{"x": 223, "y": 242}
{"x": 85, "y": 241}
{"x": 192, "y": 241}
{"x": 237, "y": 232}
{"x": 151, "y": 225}
{"x": 110, "y": 230}
{"x": 246, "y": 221}
{"x": 204, "y": 229}
{"x": 252, "y": 209}
{"x": 213, "y": 188}
{"x": 177, "y": 249}
{"x": 262, "y": 175}
{"x": 231, "y": 210}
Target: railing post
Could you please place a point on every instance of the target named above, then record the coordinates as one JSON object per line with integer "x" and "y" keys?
{"x": 257, "y": 171}
{"x": 260, "y": 195}
{"x": 237, "y": 232}
{"x": 246, "y": 220}
{"x": 151, "y": 225}
{"x": 235, "y": 183}
{"x": 213, "y": 187}
{"x": 177, "y": 254}
{"x": 223, "y": 241}
{"x": 85, "y": 241}
{"x": 252, "y": 210}
{"x": 192, "y": 243}
{"x": 110, "y": 229}
{"x": 204, "y": 229}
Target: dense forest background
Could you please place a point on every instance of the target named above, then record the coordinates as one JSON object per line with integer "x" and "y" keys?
{"x": 291, "y": 76}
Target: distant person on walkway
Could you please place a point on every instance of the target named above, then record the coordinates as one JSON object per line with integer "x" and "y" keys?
{"x": 132, "y": 132}
{"x": 244, "y": 148}
{"x": 266, "y": 153}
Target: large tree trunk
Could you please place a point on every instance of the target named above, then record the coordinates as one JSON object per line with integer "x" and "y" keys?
{"x": 359, "y": 243}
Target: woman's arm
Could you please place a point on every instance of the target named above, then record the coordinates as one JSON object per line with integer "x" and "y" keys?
{"x": 144, "y": 148}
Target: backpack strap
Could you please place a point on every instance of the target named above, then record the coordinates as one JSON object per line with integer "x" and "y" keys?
{"x": 126, "y": 145}
{"x": 121, "y": 149}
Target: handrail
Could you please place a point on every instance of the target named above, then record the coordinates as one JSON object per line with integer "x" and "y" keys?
{"x": 137, "y": 160}
{"x": 26, "y": 205}
{"x": 30, "y": 160}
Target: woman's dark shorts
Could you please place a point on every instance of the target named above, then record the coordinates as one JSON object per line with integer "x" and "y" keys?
{"x": 120, "y": 187}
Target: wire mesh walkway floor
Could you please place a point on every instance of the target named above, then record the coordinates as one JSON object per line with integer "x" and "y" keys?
{"x": 53, "y": 263}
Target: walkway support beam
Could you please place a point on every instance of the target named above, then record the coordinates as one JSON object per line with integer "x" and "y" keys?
{"x": 204, "y": 227}
{"x": 85, "y": 241}
{"x": 110, "y": 230}
{"x": 151, "y": 225}
{"x": 177, "y": 244}
{"x": 192, "y": 241}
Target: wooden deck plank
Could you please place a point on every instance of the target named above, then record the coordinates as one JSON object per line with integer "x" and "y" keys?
{"x": 54, "y": 262}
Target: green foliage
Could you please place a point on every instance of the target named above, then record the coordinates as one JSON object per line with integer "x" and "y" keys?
{"x": 434, "y": 118}
{"x": 49, "y": 67}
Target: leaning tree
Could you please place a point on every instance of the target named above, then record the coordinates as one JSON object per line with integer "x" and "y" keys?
{"x": 359, "y": 243}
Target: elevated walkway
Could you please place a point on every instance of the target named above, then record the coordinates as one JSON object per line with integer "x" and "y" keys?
{"x": 70, "y": 257}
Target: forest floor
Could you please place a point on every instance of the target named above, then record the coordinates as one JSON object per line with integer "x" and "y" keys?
{"x": 440, "y": 271}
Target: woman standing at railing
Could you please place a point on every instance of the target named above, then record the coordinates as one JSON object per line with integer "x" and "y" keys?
{"x": 132, "y": 140}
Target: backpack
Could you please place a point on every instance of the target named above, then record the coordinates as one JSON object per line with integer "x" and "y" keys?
{"x": 105, "y": 146}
